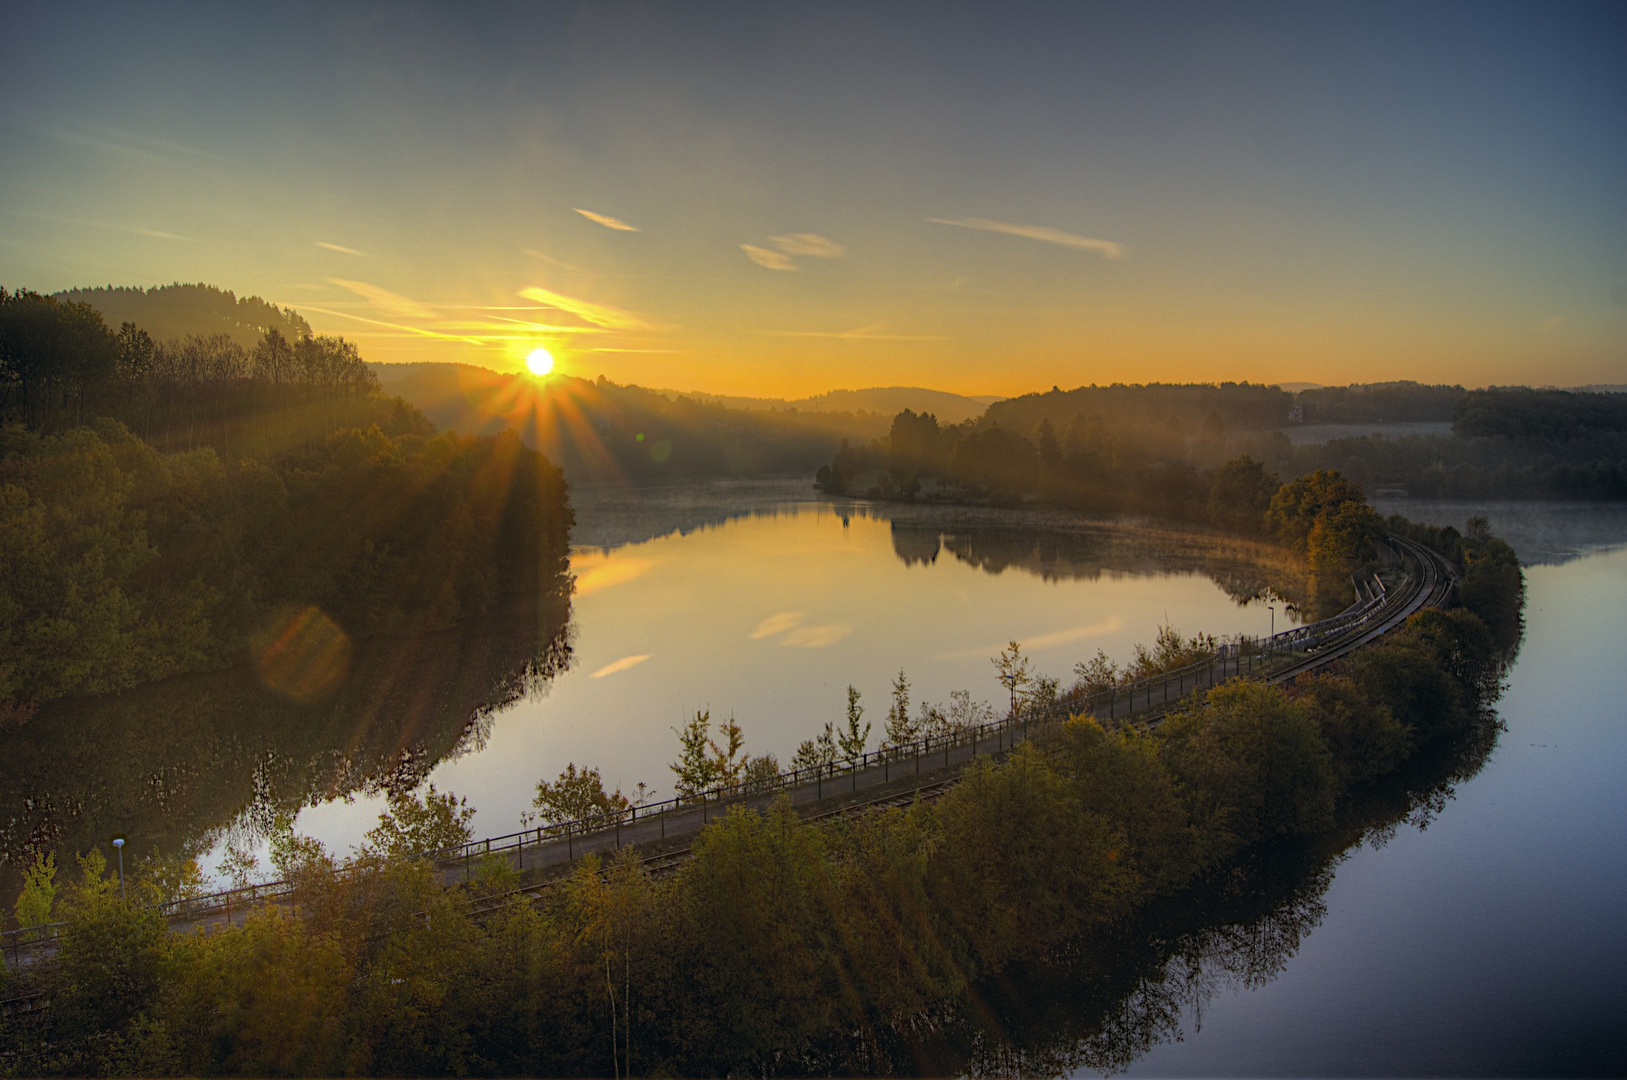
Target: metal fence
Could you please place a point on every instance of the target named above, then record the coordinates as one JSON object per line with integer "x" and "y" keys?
{"x": 1243, "y": 656}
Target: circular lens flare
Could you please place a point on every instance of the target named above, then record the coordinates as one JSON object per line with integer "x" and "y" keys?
{"x": 540, "y": 362}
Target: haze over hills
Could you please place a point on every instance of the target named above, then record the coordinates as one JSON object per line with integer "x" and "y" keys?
{"x": 176, "y": 310}
{"x": 602, "y": 432}
{"x": 887, "y": 400}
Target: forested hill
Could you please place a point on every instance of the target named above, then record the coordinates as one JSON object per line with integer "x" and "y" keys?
{"x": 1384, "y": 403}
{"x": 165, "y": 506}
{"x": 168, "y": 312}
{"x": 603, "y": 432}
{"x": 1151, "y": 448}
{"x": 1185, "y": 406}
{"x": 885, "y": 400}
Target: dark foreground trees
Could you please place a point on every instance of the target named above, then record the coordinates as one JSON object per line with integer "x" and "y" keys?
{"x": 120, "y": 565}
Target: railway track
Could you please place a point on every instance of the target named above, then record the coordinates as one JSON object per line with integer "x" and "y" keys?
{"x": 666, "y": 863}
{"x": 1429, "y": 588}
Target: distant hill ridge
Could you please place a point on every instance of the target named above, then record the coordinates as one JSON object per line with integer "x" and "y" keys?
{"x": 885, "y": 400}
{"x": 174, "y": 311}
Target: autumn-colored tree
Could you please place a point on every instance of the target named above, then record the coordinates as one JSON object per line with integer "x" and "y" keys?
{"x": 577, "y": 796}
{"x": 1298, "y": 503}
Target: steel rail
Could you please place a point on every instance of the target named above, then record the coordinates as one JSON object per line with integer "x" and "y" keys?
{"x": 1319, "y": 643}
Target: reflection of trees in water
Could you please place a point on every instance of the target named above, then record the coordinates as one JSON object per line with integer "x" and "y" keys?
{"x": 172, "y": 764}
{"x": 609, "y": 517}
{"x": 1112, "y": 998}
{"x": 1060, "y": 551}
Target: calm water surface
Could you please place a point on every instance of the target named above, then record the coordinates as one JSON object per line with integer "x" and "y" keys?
{"x": 1493, "y": 941}
{"x": 1484, "y": 937}
{"x": 764, "y": 601}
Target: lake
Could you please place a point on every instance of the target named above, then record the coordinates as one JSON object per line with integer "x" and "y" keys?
{"x": 1470, "y": 925}
{"x": 765, "y": 600}
{"x": 1490, "y": 942}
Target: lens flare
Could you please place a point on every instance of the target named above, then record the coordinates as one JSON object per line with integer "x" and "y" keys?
{"x": 305, "y": 656}
{"x": 540, "y": 362}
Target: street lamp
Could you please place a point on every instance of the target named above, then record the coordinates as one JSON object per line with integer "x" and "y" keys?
{"x": 118, "y": 845}
{"x": 1273, "y": 638}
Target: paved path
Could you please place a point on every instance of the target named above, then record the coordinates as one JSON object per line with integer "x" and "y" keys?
{"x": 923, "y": 772}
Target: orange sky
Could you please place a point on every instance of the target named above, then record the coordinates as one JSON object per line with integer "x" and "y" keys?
{"x": 784, "y": 200}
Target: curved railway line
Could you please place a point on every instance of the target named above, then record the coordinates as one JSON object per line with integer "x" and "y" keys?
{"x": 927, "y": 769}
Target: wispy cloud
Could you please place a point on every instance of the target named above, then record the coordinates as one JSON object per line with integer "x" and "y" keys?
{"x": 816, "y": 637}
{"x": 535, "y": 254}
{"x": 862, "y": 333}
{"x": 607, "y": 221}
{"x": 341, "y": 249}
{"x": 1108, "y": 249}
{"x": 405, "y": 331}
{"x": 160, "y": 234}
{"x": 776, "y": 624}
{"x": 86, "y": 223}
{"x": 127, "y": 143}
{"x": 621, "y": 665}
{"x": 392, "y": 304}
{"x": 611, "y": 318}
{"x": 804, "y": 243}
{"x": 771, "y": 260}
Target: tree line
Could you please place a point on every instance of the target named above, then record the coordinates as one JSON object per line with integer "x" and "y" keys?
{"x": 61, "y": 365}
{"x": 600, "y": 431}
{"x": 120, "y": 565}
{"x": 167, "y": 507}
{"x": 1154, "y": 449}
{"x": 778, "y": 947}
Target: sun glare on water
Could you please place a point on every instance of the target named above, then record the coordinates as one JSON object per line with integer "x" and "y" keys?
{"x": 540, "y": 362}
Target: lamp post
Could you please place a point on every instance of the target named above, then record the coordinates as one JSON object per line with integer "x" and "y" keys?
{"x": 1273, "y": 638}
{"x": 118, "y": 845}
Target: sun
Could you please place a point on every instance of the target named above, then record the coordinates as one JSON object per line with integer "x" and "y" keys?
{"x": 541, "y": 361}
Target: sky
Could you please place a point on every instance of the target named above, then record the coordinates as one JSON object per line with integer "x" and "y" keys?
{"x": 783, "y": 199}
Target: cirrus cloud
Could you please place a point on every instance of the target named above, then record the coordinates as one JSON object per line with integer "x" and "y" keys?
{"x": 1108, "y": 249}
{"x": 341, "y": 249}
{"x": 769, "y": 260}
{"x": 776, "y": 624}
{"x": 812, "y": 244}
{"x": 607, "y": 221}
{"x": 611, "y": 318}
